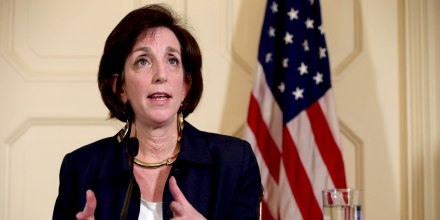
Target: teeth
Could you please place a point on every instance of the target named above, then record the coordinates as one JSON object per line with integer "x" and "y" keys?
{"x": 159, "y": 96}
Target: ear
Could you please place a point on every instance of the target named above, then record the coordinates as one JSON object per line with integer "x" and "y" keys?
{"x": 116, "y": 80}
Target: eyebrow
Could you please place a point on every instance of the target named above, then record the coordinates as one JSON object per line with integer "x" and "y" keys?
{"x": 148, "y": 50}
{"x": 172, "y": 49}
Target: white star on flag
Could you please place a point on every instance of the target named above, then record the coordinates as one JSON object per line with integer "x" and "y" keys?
{"x": 303, "y": 69}
{"x": 298, "y": 93}
{"x": 282, "y": 87}
{"x": 322, "y": 52}
{"x": 288, "y": 38}
{"x": 318, "y": 78}
{"x": 286, "y": 62}
{"x": 306, "y": 45}
{"x": 274, "y": 7}
{"x": 321, "y": 29}
{"x": 268, "y": 57}
{"x": 293, "y": 14}
{"x": 309, "y": 23}
{"x": 271, "y": 31}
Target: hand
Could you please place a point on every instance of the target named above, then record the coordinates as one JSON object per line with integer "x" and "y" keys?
{"x": 89, "y": 210}
{"x": 181, "y": 208}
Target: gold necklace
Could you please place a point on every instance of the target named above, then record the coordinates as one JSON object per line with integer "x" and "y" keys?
{"x": 168, "y": 162}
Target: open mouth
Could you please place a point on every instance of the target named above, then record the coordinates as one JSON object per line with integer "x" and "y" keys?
{"x": 159, "y": 96}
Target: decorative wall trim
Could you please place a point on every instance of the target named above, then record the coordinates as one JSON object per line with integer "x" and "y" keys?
{"x": 359, "y": 152}
{"x": 17, "y": 52}
{"x": 28, "y": 124}
{"x": 338, "y": 70}
{"x": 420, "y": 112}
{"x": 231, "y": 31}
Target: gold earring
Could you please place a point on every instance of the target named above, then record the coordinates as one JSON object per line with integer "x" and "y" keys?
{"x": 123, "y": 132}
{"x": 179, "y": 126}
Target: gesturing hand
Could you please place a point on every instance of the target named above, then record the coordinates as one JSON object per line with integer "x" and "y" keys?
{"x": 181, "y": 208}
{"x": 89, "y": 210}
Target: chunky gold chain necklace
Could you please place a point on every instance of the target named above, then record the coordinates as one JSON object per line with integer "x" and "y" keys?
{"x": 168, "y": 162}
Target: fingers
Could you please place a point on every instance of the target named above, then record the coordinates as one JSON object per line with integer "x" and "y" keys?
{"x": 176, "y": 208}
{"x": 89, "y": 209}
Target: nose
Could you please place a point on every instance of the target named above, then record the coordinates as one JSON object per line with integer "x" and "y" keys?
{"x": 160, "y": 74}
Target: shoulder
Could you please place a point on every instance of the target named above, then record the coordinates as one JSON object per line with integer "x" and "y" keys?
{"x": 220, "y": 147}
{"x": 221, "y": 142}
{"x": 90, "y": 157}
{"x": 211, "y": 138}
{"x": 93, "y": 149}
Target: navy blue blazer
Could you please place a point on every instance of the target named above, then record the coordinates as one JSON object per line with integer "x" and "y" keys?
{"x": 218, "y": 175}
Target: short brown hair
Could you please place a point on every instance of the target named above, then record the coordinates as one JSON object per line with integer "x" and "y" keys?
{"x": 119, "y": 44}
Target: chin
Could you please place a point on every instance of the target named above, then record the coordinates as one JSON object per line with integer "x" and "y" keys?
{"x": 161, "y": 118}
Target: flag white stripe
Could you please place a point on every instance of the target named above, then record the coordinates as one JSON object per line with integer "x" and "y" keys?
{"x": 270, "y": 111}
{"x": 328, "y": 108}
{"x": 288, "y": 206}
{"x": 302, "y": 134}
{"x": 264, "y": 171}
{"x": 271, "y": 191}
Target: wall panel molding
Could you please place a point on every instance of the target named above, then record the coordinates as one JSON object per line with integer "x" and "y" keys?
{"x": 30, "y": 122}
{"x": 358, "y": 148}
{"x": 342, "y": 54}
{"x": 420, "y": 112}
{"x": 241, "y": 39}
{"x": 53, "y": 41}
{"x": 17, "y": 170}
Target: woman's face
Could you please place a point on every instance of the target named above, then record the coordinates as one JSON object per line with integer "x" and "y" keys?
{"x": 154, "y": 77}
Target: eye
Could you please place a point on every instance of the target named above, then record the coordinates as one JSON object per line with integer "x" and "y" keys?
{"x": 141, "y": 62}
{"x": 173, "y": 61}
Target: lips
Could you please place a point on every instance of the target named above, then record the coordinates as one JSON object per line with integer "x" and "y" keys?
{"x": 159, "y": 96}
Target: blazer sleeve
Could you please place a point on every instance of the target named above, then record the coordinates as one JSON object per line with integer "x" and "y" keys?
{"x": 245, "y": 203}
{"x": 66, "y": 205}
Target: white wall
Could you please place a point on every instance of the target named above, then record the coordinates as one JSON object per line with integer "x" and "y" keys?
{"x": 385, "y": 74}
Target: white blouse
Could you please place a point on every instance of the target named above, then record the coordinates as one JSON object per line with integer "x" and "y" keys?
{"x": 150, "y": 210}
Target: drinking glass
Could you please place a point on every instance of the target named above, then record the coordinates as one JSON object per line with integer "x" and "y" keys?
{"x": 342, "y": 204}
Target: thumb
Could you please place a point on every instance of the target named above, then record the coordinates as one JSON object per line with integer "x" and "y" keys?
{"x": 176, "y": 192}
{"x": 91, "y": 202}
{"x": 89, "y": 209}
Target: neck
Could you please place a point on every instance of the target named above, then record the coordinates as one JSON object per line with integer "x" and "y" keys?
{"x": 155, "y": 143}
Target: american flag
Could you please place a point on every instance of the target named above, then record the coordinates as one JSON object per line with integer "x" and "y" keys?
{"x": 292, "y": 124}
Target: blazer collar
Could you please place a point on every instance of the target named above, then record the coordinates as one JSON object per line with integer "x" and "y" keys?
{"x": 194, "y": 146}
{"x": 115, "y": 160}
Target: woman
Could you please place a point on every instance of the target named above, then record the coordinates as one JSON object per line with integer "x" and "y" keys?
{"x": 150, "y": 77}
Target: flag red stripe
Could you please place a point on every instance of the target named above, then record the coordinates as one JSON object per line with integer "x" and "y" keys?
{"x": 266, "y": 144}
{"x": 298, "y": 180}
{"x": 329, "y": 150}
{"x": 265, "y": 213}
